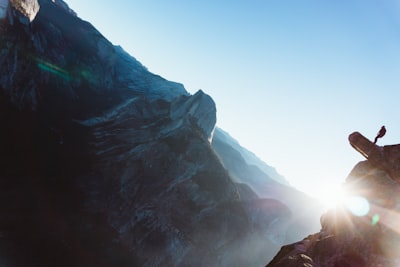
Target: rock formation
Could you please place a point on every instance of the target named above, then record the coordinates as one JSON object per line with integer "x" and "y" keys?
{"x": 28, "y": 8}
{"x": 267, "y": 183}
{"x": 363, "y": 231}
{"x": 103, "y": 163}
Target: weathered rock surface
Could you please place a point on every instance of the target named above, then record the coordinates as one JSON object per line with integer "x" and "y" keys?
{"x": 364, "y": 230}
{"x": 29, "y": 8}
{"x": 103, "y": 163}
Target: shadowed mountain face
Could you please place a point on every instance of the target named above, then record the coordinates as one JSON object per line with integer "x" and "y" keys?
{"x": 106, "y": 164}
{"x": 245, "y": 168}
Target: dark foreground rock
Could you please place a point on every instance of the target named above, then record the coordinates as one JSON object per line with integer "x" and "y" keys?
{"x": 103, "y": 163}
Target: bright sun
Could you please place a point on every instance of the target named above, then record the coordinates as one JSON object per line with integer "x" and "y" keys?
{"x": 331, "y": 195}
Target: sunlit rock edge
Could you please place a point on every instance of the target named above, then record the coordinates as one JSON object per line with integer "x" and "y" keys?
{"x": 349, "y": 237}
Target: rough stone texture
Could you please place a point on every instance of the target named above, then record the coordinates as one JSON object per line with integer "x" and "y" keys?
{"x": 386, "y": 158}
{"x": 352, "y": 240}
{"x": 103, "y": 163}
{"x": 29, "y": 8}
{"x": 199, "y": 109}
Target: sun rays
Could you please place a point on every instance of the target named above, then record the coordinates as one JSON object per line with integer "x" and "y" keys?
{"x": 331, "y": 195}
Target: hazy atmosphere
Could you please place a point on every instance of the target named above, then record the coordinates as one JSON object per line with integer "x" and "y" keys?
{"x": 291, "y": 79}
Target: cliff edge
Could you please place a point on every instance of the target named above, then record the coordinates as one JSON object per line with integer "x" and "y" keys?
{"x": 363, "y": 230}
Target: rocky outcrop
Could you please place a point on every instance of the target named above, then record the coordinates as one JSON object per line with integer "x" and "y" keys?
{"x": 363, "y": 230}
{"x": 103, "y": 163}
{"x": 198, "y": 109}
{"x": 386, "y": 158}
{"x": 29, "y": 8}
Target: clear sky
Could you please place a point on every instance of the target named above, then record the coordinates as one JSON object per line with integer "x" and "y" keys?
{"x": 291, "y": 79}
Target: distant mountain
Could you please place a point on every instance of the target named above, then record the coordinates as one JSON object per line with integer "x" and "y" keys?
{"x": 103, "y": 163}
{"x": 222, "y": 138}
{"x": 245, "y": 168}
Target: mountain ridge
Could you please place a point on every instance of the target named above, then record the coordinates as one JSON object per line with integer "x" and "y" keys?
{"x": 106, "y": 164}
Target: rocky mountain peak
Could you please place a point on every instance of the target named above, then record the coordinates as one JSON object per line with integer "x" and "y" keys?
{"x": 363, "y": 231}
{"x": 199, "y": 109}
{"x": 103, "y": 163}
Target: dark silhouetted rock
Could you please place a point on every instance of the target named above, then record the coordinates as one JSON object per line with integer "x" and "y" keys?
{"x": 103, "y": 163}
{"x": 364, "y": 230}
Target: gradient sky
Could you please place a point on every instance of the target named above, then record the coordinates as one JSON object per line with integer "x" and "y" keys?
{"x": 291, "y": 78}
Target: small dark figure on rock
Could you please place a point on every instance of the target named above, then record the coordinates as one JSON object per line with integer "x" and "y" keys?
{"x": 381, "y": 133}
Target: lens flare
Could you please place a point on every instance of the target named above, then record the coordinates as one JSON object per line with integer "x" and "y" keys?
{"x": 375, "y": 219}
{"x": 358, "y": 206}
{"x": 49, "y": 67}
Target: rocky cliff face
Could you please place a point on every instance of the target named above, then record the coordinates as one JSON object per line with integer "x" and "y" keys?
{"x": 245, "y": 168}
{"x": 103, "y": 163}
{"x": 363, "y": 231}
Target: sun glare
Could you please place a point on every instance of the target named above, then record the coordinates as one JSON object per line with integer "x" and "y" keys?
{"x": 331, "y": 196}
{"x": 357, "y": 205}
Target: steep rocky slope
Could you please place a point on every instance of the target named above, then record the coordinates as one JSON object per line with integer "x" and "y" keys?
{"x": 226, "y": 146}
{"x": 245, "y": 168}
{"x": 363, "y": 231}
{"x": 103, "y": 163}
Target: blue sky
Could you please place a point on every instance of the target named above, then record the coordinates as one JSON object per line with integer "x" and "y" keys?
{"x": 291, "y": 78}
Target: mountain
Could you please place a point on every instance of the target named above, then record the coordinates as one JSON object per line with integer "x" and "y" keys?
{"x": 246, "y": 168}
{"x": 103, "y": 163}
{"x": 222, "y": 138}
{"x": 363, "y": 231}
